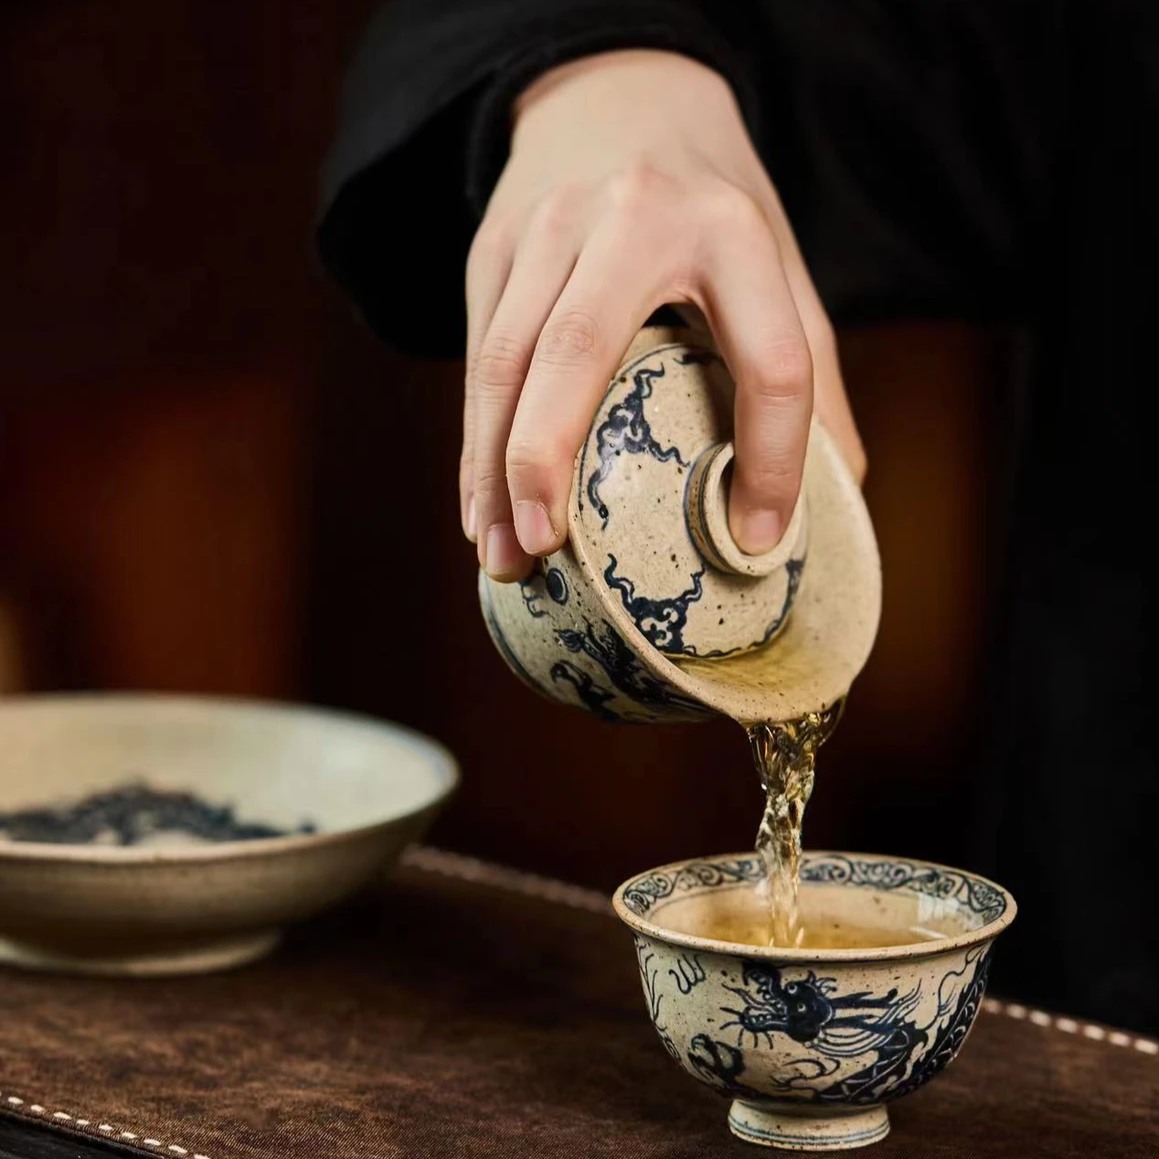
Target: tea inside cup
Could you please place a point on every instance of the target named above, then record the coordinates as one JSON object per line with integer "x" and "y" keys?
{"x": 810, "y": 1043}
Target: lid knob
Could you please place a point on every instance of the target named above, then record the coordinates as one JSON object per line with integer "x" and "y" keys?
{"x": 706, "y": 513}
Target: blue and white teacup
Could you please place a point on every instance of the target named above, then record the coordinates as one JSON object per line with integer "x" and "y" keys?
{"x": 811, "y": 1044}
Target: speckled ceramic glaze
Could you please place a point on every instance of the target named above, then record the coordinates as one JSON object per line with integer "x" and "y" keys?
{"x": 165, "y": 835}
{"x": 811, "y": 1044}
{"x": 651, "y": 611}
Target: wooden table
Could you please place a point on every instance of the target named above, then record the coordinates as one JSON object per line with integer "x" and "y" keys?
{"x": 465, "y": 1010}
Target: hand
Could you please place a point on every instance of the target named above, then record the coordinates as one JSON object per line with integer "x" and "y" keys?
{"x": 631, "y": 184}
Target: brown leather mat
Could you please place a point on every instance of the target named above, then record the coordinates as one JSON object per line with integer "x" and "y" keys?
{"x": 443, "y": 1017}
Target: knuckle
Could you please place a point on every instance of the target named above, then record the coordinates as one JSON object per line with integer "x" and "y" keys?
{"x": 500, "y": 364}
{"x": 536, "y": 461}
{"x": 525, "y": 455}
{"x": 773, "y": 475}
{"x": 727, "y": 206}
{"x": 570, "y": 337}
{"x": 558, "y": 212}
{"x": 638, "y": 187}
{"x": 492, "y": 238}
{"x": 786, "y": 369}
{"x": 490, "y": 485}
{"x": 528, "y": 470}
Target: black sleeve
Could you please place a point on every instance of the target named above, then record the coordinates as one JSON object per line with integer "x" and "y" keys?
{"x": 423, "y": 137}
{"x": 910, "y": 141}
{"x": 900, "y": 134}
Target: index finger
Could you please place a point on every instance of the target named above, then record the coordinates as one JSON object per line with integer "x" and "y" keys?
{"x": 488, "y": 268}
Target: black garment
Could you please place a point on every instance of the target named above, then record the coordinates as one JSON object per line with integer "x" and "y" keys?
{"x": 979, "y": 158}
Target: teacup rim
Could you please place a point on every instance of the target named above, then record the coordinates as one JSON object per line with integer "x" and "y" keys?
{"x": 909, "y": 951}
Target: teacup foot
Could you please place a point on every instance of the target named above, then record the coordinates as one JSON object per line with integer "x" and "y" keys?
{"x": 775, "y": 1125}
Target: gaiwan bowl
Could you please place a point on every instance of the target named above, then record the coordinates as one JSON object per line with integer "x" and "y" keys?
{"x": 650, "y": 611}
{"x": 164, "y": 835}
{"x": 811, "y": 1045}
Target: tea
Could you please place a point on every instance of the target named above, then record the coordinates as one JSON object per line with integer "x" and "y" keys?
{"x": 785, "y": 754}
{"x": 814, "y": 931}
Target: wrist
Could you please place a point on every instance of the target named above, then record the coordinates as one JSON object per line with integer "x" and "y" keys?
{"x": 613, "y": 91}
{"x": 677, "y": 43}
{"x": 633, "y": 70}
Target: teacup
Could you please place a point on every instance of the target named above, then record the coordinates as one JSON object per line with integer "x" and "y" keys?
{"x": 810, "y": 1044}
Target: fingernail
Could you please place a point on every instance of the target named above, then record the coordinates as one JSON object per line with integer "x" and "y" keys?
{"x": 758, "y": 532}
{"x": 471, "y": 526}
{"x": 533, "y": 526}
{"x": 504, "y": 555}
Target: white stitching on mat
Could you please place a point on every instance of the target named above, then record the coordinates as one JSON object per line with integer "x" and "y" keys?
{"x": 104, "y": 1128}
{"x": 1069, "y": 1026}
{"x": 500, "y": 877}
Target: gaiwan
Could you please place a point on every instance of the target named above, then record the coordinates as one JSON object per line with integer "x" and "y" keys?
{"x": 651, "y": 611}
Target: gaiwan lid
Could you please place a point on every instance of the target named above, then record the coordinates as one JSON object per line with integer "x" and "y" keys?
{"x": 781, "y": 632}
{"x": 650, "y": 504}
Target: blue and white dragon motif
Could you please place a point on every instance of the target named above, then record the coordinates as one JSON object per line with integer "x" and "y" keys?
{"x": 627, "y": 431}
{"x": 661, "y": 621}
{"x": 834, "y": 1027}
{"x": 623, "y": 669}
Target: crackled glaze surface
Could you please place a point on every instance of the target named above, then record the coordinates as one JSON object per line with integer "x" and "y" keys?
{"x": 811, "y": 1044}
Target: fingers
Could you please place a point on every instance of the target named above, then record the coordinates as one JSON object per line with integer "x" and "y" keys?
{"x": 539, "y": 272}
{"x": 488, "y": 267}
{"x": 619, "y": 279}
{"x": 547, "y": 329}
{"x": 756, "y": 323}
{"x": 830, "y": 401}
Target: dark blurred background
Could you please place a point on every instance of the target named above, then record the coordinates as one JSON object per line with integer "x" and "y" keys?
{"x": 212, "y": 479}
